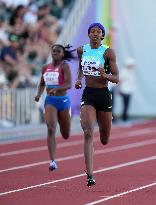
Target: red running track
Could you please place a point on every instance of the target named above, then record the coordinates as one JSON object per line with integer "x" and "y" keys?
{"x": 124, "y": 170}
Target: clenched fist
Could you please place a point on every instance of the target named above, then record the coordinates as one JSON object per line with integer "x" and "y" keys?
{"x": 78, "y": 84}
{"x": 37, "y": 98}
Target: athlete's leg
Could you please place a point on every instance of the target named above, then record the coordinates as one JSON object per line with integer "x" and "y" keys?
{"x": 104, "y": 121}
{"x": 88, "y": 120}
{"x": 64, "y": 119}
{"x": 51, "y": 121}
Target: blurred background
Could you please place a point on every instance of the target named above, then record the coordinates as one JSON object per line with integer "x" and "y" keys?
{"x": 28, "y": 27}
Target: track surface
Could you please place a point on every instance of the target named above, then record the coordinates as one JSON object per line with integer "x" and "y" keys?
{"x": 125, "y": 170}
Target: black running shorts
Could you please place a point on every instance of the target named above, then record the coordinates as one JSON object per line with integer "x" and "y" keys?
{"x": 99, "y": 98}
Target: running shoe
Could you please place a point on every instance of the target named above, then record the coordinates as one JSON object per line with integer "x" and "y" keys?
{"x": 52, "y": 165}
{"x": 90, "y": 180}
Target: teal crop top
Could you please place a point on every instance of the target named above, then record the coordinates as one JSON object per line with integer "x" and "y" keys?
{"x": 92, "y": 59}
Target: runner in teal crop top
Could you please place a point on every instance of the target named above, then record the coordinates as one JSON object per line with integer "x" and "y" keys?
{"x": 97, "y": 64}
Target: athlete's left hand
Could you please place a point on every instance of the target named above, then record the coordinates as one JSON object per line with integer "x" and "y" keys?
{"x": 78, "y": 84}
{"x": 52, "y": 91}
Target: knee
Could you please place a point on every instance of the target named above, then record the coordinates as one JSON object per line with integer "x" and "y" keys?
{"x": 65, "y": 132}
{"x": 88, "y": 133}
{"x": 104, "y": 140}
{"x": 51, "y": 130}
{"x": 66, "y": 136}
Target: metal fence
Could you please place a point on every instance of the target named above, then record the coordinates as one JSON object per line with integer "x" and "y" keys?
{"x": 17, "y": 106}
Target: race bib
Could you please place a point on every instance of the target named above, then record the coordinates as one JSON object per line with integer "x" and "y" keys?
{"x": 51, "y": 78}
{"x": 90, "y": 67}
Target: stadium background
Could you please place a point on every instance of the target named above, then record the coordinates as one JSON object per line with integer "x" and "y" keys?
{"x": 130, "y": 30}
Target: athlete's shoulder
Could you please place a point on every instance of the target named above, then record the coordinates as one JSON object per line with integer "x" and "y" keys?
{"x": 64, "y": 63}
{"x": 109, "y": 51}
{"x": 64, "y": 66}
{"x": 80, "y": 48}
{"x": 104, "y": 46}
{"x": 44, "y": 67}
{"x": 109, "y": 54}
{"x": 86, "y": 48}
{"x": 79, "y": 51}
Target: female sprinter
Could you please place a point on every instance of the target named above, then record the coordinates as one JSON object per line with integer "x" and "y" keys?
{"x": 56, "y": 77}
{"x": 97, "y": 63}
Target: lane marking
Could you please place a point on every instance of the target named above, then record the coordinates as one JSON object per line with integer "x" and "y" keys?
{"x": 41, "y": 163}
{"x": 78, "y": 142}
{"x": 122, "y": 194}
{"x": 97, "y": 152}
{"x": 40, "y": 148}
{"x": 80, "y": 175}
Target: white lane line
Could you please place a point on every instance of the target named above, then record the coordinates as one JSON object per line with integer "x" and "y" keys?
{"x": 141, "y": 132}
{"x": 102, "y": 151}
{"x": 124, "y": 134}
{"x": 122, "y": 194}
{"x": 23, "y": 151}
{"x": 40, "y": 148}
{"x": 80, "y": 175}
{"x": 41, "y": 163}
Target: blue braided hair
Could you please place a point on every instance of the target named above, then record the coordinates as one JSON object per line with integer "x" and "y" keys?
{"x": 99, "y": 25}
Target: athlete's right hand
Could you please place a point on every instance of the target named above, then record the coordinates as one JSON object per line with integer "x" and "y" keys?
{"x": 37, "y": 98}
{"x": 78, "y": 84}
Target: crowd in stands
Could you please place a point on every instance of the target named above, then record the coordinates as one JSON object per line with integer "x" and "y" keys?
{"x": 27, "y": 29}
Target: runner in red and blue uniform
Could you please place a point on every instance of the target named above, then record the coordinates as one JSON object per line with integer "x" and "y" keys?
{"x": 56, "y": 77}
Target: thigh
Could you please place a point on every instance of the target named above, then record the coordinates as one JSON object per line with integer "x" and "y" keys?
{"x": 105, "y": 122}
{"x": 51, "y": 115}
{"x": 88, "y": 117}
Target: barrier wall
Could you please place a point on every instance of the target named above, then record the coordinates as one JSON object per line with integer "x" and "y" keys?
{"x": 17, "y": 106}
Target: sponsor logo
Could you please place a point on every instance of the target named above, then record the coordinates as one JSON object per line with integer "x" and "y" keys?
{"x": 109, "y": 107}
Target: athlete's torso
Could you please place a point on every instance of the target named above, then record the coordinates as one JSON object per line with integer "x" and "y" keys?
{"x": 53, "y": 76}
{"x": 91, "y": 60}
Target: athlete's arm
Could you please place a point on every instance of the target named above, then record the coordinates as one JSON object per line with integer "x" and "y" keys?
{"x": 79, "y": 71}
{"x": 41, "y": 87}
{"x": 110, "y": 57}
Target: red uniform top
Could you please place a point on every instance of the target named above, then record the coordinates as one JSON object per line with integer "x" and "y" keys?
{"x": 53, "y": 76}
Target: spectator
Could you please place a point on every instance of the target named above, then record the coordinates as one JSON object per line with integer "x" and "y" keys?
{"x": 57, "y": 8}
{"x": 26, "y": 30}
{"x": 30, "y": 17}
{"x": 3, "y": 33}
{"x": 8, "y": 54}
{"x": 127, "y": 86}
